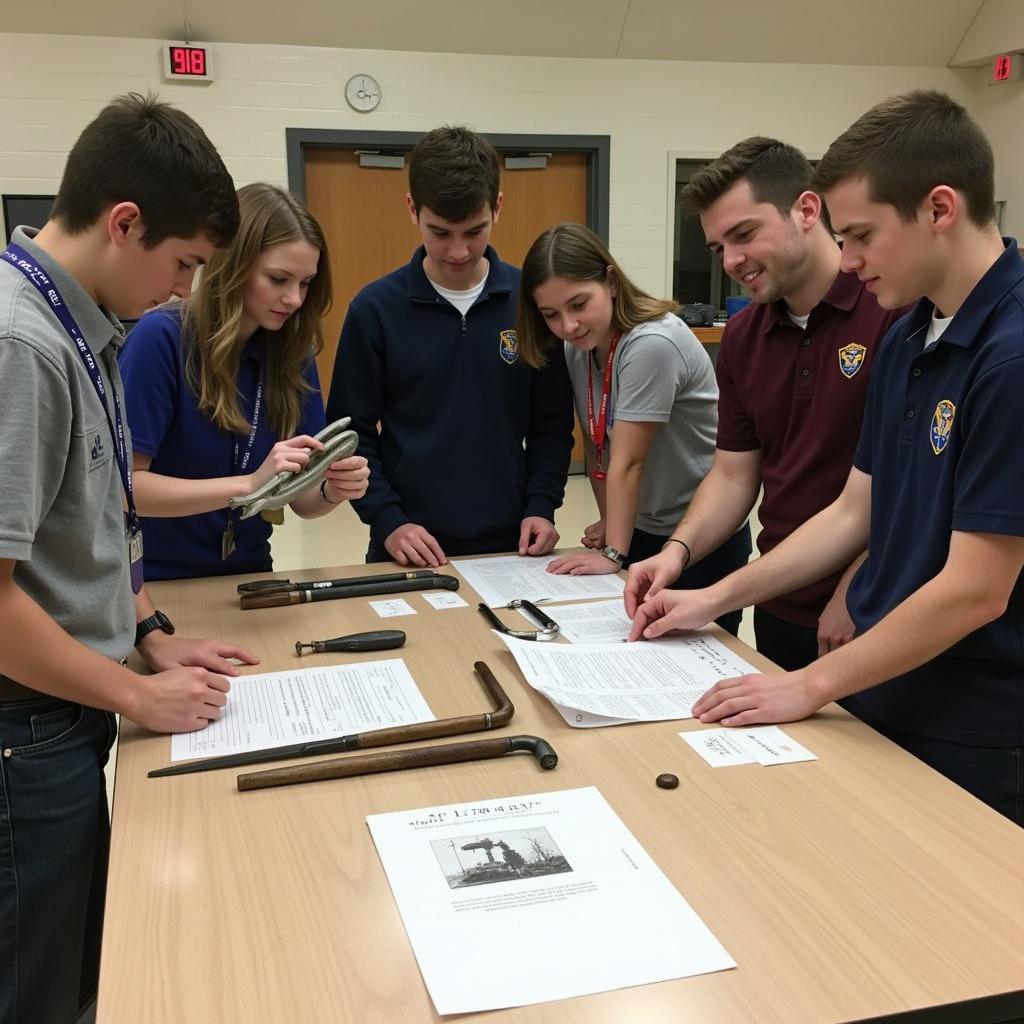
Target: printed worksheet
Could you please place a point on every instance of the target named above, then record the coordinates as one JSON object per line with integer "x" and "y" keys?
{"x": 507, "y": 578}
{"x": 612, "y": 683}
{"x": 526, "y": 899}
{"x": 281, "y": 708}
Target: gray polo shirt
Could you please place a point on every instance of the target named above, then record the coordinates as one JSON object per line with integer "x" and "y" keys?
{"x": 661, "y": 374}
{"x": 61, "y": 516}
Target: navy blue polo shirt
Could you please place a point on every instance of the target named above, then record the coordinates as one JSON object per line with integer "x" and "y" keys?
{"x": 943, "y": 443}
{"x": 167, "y": 425}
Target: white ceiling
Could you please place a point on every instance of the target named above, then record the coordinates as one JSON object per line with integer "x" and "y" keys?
{"x": 866, "y": 32}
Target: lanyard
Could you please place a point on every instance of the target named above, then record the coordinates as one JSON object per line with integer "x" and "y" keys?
{"x": 21, "y": 260}
{"x": 598, "y": 431}
{"x": 239, "y": 467}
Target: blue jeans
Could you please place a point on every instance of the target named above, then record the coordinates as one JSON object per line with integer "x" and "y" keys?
{"x": 54, "y": 841}
{"x": 726, "y": 558}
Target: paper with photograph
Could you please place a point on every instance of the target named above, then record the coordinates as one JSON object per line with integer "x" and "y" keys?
{"x": 280, "y": 708}
{"x": 526, "y": 899}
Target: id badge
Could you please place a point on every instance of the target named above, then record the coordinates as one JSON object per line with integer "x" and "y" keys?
{"x": 274, "y": 516}
{"x": 135, "y": 559}
{"x": 227, "y": 540}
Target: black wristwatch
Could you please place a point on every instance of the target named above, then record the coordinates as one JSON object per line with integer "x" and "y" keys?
{"x": 156, "y": 621}
{"x": 613, "y": 554}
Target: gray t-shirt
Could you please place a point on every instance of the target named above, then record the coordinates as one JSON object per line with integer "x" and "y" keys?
{"x": 61, "y": 513}
{"x": 661, "y": 374}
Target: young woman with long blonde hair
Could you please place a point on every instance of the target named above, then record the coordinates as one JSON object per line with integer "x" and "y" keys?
{"x": 223, "y": 394}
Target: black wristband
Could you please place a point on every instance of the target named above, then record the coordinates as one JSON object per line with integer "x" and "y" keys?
{"x": 323, "y": 493}
{"x": 686, "y": 548}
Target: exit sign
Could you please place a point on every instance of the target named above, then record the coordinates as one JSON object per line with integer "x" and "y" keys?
{"x": 1006, "y": 67}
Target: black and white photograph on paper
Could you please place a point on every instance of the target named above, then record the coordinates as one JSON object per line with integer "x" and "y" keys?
{"x": 484, "y": 858}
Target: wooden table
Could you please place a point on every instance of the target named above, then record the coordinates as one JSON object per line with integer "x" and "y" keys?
{"x": 859, "y": 886}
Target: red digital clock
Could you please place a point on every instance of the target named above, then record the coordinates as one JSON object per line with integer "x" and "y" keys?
{"x": 186, "y": 62}
{"x": 1006, "y": 67}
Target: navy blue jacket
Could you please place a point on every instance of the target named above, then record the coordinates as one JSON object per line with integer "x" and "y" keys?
{"x": 470, "y": 439}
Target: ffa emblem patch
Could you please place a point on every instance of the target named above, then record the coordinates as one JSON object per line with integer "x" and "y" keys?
{"x": 851, "y": 359}
{"x": 508, "y": 346}
{"x": 942, "y": 425}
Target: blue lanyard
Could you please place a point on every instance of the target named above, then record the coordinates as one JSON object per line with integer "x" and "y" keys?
{"x": 20, "y": 260}
{"x": 239, "y": 468}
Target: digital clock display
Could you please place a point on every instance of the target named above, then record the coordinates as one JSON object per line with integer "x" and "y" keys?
{"x": 185, "y": 61}
{"x": 1006, "y": 67}
{"x": 188, "y": 60}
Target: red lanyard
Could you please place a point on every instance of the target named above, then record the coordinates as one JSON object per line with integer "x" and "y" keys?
{"x": 598, "y": 433}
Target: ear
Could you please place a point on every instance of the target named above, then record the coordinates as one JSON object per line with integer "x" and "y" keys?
{"x": 414, "y": 214}
{"x": 497, "y": 207}
{"x": 124, "y": 224}
{"x": 807, "y": 209}
{"x": 942, "y": 208}
{"x": 612, "y": 278}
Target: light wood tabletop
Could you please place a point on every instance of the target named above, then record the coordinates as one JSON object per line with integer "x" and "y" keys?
{"x": 859, "y": 886}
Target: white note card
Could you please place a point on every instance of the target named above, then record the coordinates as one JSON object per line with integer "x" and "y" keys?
{"x": 760, "y": 744}
{"x": 444, "y": 599}
{"x": 395, "y": 606}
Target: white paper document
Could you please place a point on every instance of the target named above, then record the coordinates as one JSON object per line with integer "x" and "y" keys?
{"x": 280, "y": 708}
{"x": 760, "y": 744}
{"x": 508, "y": 578}
{"x": 613, "y": 683}
{"x": 445, "y": 599}
{"x": 592, "y": 622}
{"x": 526, "y": 899}
{"x": 393, "y": 606}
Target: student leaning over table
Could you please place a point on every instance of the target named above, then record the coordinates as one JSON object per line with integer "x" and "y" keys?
{"x": 632, "y": 363}
{"x": 793, "y": 371}
{"x": 144, "y": 199}
{"x": 935, "y": 491}
{"x": 222, "y": 394}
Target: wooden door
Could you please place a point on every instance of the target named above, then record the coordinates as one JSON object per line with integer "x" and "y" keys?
{"x": 366, "y": 223}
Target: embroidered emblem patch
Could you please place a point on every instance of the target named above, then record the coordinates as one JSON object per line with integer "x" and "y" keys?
{"x": 508, "y": 346}
{"x": 851, "y": 359}
{"x": 942, "y": 425}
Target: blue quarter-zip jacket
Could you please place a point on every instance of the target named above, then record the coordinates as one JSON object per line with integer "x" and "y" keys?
{"x": 470, "y": 440}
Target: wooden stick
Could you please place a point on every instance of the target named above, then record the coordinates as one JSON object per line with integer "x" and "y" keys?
{"x": 398, "y": 760}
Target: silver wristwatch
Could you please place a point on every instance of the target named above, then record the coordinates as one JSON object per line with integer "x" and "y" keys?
{"x": 614, "y": 554}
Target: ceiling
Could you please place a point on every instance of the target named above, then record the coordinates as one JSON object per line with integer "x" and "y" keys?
{"x": 865, "y": 32}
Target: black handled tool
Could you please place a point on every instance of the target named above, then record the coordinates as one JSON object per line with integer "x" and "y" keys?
{"x": 549, "y": 629}
{"x": 276, "y": 599}
{"x": 286, "y": 586}
{"x": 354, "y": 643}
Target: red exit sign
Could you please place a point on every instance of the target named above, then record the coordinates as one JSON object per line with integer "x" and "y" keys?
{"x": 1006, "y": 67}
{"x": 186, "y": 62}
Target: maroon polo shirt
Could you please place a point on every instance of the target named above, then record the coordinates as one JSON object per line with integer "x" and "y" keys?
{"x": 798, "y": 396}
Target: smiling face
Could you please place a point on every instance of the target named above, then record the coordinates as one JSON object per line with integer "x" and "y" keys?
{"x": 895, "y": 258}
{"x": 578, "y": 311}
{"x": 764, "y": 250}
{"x": 455, "y": 249}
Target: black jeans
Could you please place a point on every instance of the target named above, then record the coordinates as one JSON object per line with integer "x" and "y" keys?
{"x": 727, "y": 558}
{"x": 995, "y": 775}
{"x": 791, "y": 647}
{"x": 54, "y": 842}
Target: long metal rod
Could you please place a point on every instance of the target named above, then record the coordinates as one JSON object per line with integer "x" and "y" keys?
{"x": 500, "y": 716}
{"x": 398, "y": 760}
{"x": 278, "y": 599}
{"x": 287, "y": 586}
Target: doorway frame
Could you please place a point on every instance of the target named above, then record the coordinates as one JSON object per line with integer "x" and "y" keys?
{"x": 597, "y": 149}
